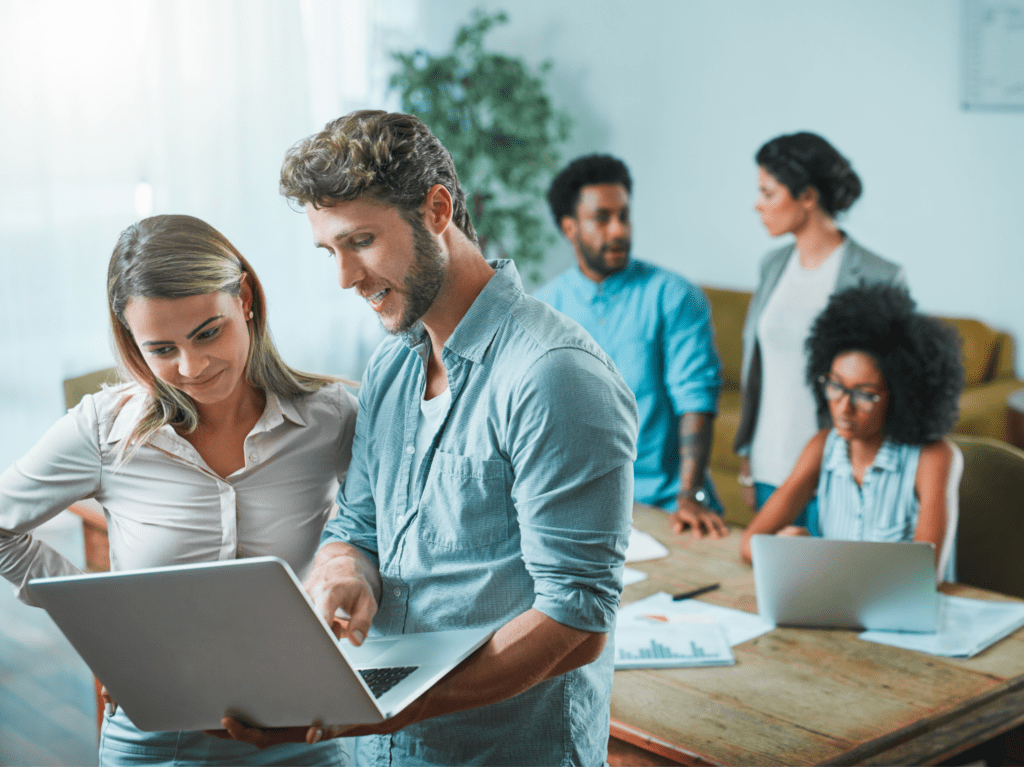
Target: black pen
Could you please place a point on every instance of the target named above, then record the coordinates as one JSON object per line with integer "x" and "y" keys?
{"x": 695, "y": 592}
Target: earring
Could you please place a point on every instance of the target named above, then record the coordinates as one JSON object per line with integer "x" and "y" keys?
{"x": 250, "y": 315}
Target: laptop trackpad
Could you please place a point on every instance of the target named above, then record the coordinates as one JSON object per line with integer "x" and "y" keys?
{"x": 370, "y": 650}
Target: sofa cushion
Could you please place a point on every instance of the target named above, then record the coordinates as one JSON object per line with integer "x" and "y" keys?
{"x": 980, "y": 350}
{"x": 728, "y": 310}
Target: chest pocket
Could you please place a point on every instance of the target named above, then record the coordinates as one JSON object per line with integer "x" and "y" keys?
{"x": 466, "y": 502}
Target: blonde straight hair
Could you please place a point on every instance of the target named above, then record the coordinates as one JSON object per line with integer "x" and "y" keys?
{"x": 177, "y": 257}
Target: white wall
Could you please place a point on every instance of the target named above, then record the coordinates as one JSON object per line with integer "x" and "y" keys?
{"x": 685, "y": 91}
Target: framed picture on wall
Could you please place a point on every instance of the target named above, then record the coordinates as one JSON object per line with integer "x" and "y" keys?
{"x": 992, "y": 70}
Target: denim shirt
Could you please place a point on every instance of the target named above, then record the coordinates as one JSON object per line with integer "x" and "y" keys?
{"x": 524, "y": 501}
{"x": 656, "y": 327}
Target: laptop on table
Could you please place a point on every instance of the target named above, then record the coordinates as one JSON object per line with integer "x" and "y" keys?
{"x": 830, "y": 583}
{"x": 179, "y": 647}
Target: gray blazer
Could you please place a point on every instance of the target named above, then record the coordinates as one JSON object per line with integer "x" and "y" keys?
{"x": 859, "y": 266}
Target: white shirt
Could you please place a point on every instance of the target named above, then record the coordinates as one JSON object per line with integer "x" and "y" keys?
{"x": 787, "y": 415}
{"x": 165, "y": 506}
{"x": 432, "y": 415}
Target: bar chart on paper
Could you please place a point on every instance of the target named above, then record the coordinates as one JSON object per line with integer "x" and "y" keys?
{"x": 642, "y": 643}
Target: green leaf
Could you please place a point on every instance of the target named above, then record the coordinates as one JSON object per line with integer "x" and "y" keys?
{"x": 493, "y": 113}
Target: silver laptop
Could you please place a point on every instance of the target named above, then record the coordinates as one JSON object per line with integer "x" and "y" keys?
{"x": 180, "y": 647}
{"x": 828, "y": 583}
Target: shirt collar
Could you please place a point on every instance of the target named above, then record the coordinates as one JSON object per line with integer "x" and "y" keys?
{"x": 127, "y": 413}
{"x": 277, "y": 411}
{"x": 476, "y": 330}
{"x": 886, "y": 459}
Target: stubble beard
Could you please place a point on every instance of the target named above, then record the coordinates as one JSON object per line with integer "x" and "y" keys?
{"x": 594, "y": 259}
{"x": 424, "y": 279}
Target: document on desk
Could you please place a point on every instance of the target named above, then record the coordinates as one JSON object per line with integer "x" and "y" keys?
{"x": 739, "y": 626}
{"x": 631, "y": 576}
{"x": 649, "y": 643}
{"x": 966, "y": 627}
{"x": 644, "y": 546}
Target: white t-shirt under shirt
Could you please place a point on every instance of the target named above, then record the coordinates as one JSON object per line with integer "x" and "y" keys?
{"x": 432, "y": 414}
{"x": 786, "y": 415}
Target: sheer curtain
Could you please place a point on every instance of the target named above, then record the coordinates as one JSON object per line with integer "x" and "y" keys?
{"x": 118, "y": 109}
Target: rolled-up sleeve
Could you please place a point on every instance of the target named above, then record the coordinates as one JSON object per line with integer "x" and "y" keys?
{"x": 693, "y": 371}
{"x": 356, "y": 521}
{"x": 572, "y": 444}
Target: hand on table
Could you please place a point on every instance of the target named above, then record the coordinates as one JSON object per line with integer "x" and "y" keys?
{"x": 702, "y": 521}
{"x": 793, "y": 530}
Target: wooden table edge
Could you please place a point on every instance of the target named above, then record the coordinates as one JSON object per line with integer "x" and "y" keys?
{"x": 936, "y": 738}
{"x": 645, "y": 740}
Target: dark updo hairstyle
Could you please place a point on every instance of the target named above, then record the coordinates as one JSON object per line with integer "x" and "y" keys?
{"x": 918, "y": 355}
{"x": 802, "y": 160}
{"x": 564, "y": 193}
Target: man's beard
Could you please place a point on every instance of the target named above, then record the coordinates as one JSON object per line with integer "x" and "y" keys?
{"x": 595, "y": 260}
{"x": 423, "y": 281}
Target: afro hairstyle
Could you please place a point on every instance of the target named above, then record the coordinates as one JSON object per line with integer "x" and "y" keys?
{"x": 918, "y": 355}
{"x": 564, "y": 192}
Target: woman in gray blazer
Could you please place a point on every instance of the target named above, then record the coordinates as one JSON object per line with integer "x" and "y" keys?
{"x": 804, "y": 183}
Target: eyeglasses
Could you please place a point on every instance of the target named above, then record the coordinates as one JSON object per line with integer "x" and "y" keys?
{"x": 863, "y": 401}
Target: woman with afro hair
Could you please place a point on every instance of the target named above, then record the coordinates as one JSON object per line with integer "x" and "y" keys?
{"x": 889, "y": 378}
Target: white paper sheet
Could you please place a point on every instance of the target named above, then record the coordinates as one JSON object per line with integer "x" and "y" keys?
{"x": 966, "y": 627}
{"x": 643, "y": 546}
{"x": 739, "y": 626}
{"x": 642, "y": 643}
{"x": 630, "y": 576}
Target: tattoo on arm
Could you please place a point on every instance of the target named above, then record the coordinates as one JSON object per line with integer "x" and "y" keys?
{"x": 695, "y": 434}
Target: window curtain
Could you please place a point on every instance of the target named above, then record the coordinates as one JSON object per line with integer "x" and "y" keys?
{"x": 119, "y": 109}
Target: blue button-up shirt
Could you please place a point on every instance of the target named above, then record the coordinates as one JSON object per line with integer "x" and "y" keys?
{"x": 523, "y": 500}
{"x": 656, "y": 326}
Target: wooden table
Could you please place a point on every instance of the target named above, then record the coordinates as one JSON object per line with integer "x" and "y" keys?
{"x": 804, "y": 696}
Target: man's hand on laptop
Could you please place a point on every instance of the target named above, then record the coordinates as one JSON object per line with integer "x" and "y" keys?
{"x": 344, "y": 583}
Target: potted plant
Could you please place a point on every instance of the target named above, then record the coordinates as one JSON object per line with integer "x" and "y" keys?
{"x": 493, "y": 113}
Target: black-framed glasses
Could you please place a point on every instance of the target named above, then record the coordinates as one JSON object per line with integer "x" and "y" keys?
{"x": 863, "y": 401}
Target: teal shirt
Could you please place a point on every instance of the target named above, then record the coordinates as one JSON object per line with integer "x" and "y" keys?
{"x": 523, "y": 500}
{"x": 656, "y": 327}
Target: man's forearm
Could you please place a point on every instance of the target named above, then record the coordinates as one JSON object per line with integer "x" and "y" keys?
{"x": 695, "y": 435}
{"x": 524, "y": 652}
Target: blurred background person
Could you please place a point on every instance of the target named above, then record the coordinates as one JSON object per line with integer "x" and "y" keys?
{"x": 889, "y": 380}
{"x": 656, "y": 327}
{"x": 803, "y": 185}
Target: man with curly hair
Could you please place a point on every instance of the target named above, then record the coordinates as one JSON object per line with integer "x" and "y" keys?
{"x": 656, "y": 326}
{"x": 889, "y": 381}
{"x": 491, "y": 479}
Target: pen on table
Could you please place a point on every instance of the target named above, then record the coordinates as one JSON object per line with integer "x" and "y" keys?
{"x": 695, "y": 592}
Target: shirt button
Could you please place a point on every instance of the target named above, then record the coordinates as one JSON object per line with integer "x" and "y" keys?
{"x": 252, "y": 456}
{"x": 398, "y": 591}
{"x": 601, "y": 321}
{"x": 410, "y": 449}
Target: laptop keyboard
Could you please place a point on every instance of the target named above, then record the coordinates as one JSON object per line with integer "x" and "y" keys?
{"x": 380, "y": 680}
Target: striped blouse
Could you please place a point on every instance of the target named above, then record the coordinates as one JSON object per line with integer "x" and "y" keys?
{"x": 884, "y": 508}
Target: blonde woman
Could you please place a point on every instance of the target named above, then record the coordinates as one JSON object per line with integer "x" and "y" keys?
{"x": 215, "y": 449}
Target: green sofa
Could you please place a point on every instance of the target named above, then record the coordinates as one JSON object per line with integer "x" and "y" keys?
{"x": 988, "y": 357}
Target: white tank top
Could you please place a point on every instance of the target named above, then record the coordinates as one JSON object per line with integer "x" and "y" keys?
{"x": 786, "y": 415}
